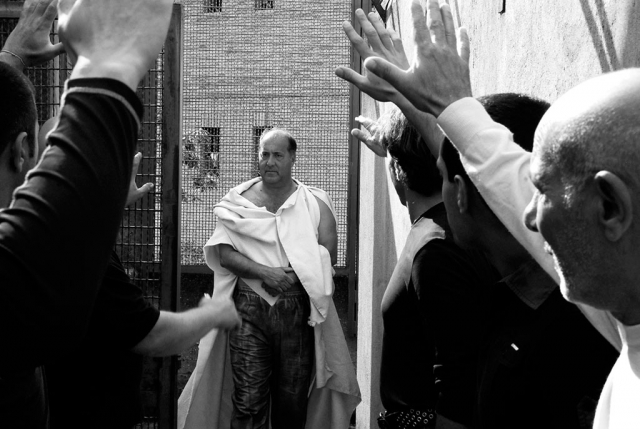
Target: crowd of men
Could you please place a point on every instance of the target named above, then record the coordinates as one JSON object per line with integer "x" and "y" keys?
{"x": 515, "y": 302}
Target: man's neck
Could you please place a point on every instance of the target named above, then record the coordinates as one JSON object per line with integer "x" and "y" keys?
{"x": 504, "y": 252}
{"x": 278, "y": 190}
{"x": 417, "y": 203}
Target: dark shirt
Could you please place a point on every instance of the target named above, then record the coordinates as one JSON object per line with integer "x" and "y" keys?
{"x": 431, "y": 322}
{"x": 102, "y": 367}
{"x": 542, "y": 364}
{"x": 56, "y": 237}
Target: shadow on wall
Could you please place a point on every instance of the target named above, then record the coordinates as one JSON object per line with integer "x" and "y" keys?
{"x": 630, "y": 50}
{"x": 603, "y": 39}
{"x": 603, "y": 44}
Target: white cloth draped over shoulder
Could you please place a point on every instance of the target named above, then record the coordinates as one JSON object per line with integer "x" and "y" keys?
{"x": 287, "y": 237}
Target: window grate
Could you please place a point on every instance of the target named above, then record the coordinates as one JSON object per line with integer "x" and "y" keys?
{"x": 212, "y": 6}
{"x": 264, "y": 4}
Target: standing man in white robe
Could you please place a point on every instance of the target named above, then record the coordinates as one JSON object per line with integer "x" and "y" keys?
{"x": 273, "y": 249}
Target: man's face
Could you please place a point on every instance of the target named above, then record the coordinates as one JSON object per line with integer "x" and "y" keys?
{"x": 276, "y": 161}
{"x": 568, "y": 234}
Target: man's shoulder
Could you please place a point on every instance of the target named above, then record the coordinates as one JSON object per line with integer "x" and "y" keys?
{"x": 250, "y": 191}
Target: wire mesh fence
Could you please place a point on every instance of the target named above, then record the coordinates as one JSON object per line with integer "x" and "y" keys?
{"x": 250, "y": 65}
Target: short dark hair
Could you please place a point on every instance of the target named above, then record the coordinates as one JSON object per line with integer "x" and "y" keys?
{"x": 406, "y": 146}
{"x": 293, "y": 145}
{"x": 17, "y": 107}
{"x": 520, "y": 113}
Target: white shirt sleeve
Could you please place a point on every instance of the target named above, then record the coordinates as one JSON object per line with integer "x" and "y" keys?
{"x": 499, "y": 168}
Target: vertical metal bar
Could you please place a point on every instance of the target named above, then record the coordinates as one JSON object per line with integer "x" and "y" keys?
{"x": 354, "y": 183}
{"x": 171, "y": 161}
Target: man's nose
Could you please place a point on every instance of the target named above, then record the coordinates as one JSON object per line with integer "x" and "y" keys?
{"x": 531, "y": 213}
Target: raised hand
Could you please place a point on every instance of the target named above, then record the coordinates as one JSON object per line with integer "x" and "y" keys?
{"x": 118, "y": 39}
{"x": 30, "y": 39}
{"x": 439, "y": 74}
{"x": 371, "y": 136}
{"x": 136, "y": 193}
{"x": 383, "y": 43}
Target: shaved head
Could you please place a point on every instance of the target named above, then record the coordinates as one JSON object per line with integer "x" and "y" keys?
{"x": 595, "y": 126}
{"x": 586, "y": 168}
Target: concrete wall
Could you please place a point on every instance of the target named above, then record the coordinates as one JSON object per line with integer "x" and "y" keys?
{"x": 542, "y": 48}
{"x": 545, "y": 47}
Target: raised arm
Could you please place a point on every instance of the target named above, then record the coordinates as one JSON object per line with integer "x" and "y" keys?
{"x": 29, "y": 43}
{"x": 439, "y": 73}
{"x": 56, "y": 237}
{"x": 385, "y": 44}
{"x": 438, "y": 83}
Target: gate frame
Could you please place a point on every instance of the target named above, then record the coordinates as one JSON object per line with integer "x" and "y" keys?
{"x": 171, "y": 202}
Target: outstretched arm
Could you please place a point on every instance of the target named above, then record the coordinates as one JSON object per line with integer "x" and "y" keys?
{"x": 29, "y": 43}
{"x": 68, "y": 211}
{"x": 175, "y": 332}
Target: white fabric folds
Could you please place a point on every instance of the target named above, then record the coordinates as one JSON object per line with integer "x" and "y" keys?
{"x": 287, "y": 237}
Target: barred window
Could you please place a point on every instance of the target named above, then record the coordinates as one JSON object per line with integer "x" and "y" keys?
{"x": 212, "y": 6}
{"x": 264, "y": 4}
{"x": 257, "y": 133}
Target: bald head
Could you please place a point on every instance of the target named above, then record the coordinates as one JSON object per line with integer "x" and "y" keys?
{"x": 293, "y": 146}
{"x": 593, "y": 127}
{"x": 586, "y": 168}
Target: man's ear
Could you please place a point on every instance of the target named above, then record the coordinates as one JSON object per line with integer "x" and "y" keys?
{"x": 397, "y": 171}
{"x": 19, "y": 151}
{"x": 462, "y": 195}
{"x": 615, "y": 205}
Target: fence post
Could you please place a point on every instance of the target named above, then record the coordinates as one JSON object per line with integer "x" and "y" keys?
{"x": 171, "y": 199}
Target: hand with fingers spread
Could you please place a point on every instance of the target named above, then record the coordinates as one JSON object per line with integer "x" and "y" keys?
{"x": 372, "y": 136}
{"x": 117, "y": 39}
{"x": 383, "y": 43}
{"x": 29, "y": 43}
{"x": 136, "y": 193}
{"x": 439, "y": 74}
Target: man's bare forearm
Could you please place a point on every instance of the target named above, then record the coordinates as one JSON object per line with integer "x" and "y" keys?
{"x": 239, "y": 264}
{"x": 175, "y": 332}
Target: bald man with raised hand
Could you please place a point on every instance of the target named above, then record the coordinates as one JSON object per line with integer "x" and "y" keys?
{"x": 584, "y": 169}
{"x": 70, "y": 205}
{"x": 585, "y": 166}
